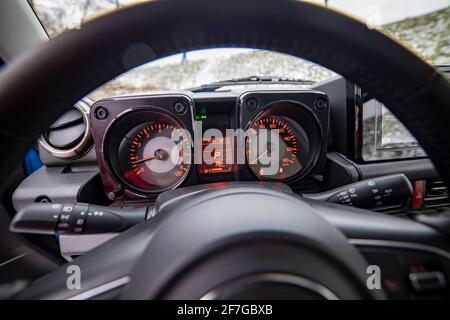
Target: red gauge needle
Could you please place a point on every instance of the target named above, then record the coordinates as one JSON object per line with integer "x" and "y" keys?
{"x": 143, "y": 160}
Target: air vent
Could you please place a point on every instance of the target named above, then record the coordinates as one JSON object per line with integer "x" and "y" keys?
{"x": 436, "y": 194}
{"x": 70, "y": 136}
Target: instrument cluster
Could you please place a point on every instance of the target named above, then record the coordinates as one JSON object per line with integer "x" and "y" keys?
{"x": 149, "y": 144}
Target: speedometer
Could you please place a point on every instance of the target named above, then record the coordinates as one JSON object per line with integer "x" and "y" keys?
{"x": 150, "y": 160}
{"x": 293, "y": 149}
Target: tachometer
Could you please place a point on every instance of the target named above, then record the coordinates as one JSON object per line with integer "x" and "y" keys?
{"x": 150, "y": 160}
{"x": 293, "y": 149}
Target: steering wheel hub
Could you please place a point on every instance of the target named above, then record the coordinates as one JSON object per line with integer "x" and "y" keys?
{"x": 245, "y": 241}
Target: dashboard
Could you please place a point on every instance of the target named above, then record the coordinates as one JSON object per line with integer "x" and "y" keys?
{"x": 331, "y": 142}
{"x": 125, "y": 151}
{"x": 149, "y": 144}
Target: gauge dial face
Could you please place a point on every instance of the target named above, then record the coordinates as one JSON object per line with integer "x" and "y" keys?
{"x": 293, "y": 149}
{"x": 151, "y": 160}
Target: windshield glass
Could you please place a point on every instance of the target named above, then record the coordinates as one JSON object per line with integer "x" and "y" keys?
{"x": 422, "y": 25}
{"x": 196, "y": 68}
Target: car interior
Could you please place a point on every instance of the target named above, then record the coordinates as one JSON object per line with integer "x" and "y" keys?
{"x": 224, "y": 150}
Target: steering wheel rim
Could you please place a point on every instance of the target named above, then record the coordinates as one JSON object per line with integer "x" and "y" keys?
{"x": 77, "y": 62}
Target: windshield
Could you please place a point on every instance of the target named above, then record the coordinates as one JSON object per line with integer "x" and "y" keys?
{"x": 422, "y": 25}
{"x": 195, "y": 68}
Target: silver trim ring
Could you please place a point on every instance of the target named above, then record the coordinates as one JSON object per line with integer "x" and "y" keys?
{"x": 118, "y": 118}
{"x": 272, "y": 277}
{"x": 85, "y": 143}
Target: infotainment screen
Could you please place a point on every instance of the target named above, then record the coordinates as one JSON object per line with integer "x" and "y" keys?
{"x": 384, "y": 137}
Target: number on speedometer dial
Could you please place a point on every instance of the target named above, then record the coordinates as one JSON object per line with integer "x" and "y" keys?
{"x": 293, "y": 149}
{"x": 149, "y": 160}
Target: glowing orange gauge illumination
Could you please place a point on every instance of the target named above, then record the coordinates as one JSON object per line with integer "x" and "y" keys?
{"x": 150, "y": 160}
{"x": 293, "y": 149}
{"x": 221, "y": 149}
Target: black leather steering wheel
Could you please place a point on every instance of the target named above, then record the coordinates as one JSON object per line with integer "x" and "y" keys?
{"x": 192, "y": 246}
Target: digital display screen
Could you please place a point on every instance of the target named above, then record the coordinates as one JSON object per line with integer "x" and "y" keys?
{"x": 218, "y": 115}
{"x": 218, "y": 155}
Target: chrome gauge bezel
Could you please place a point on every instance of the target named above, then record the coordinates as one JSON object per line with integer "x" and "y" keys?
{"x": 302, "y": 116}
{"x": 122, "y": 124}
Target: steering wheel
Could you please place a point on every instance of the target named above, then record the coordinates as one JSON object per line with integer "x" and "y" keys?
{"x": 242, "y": 241}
